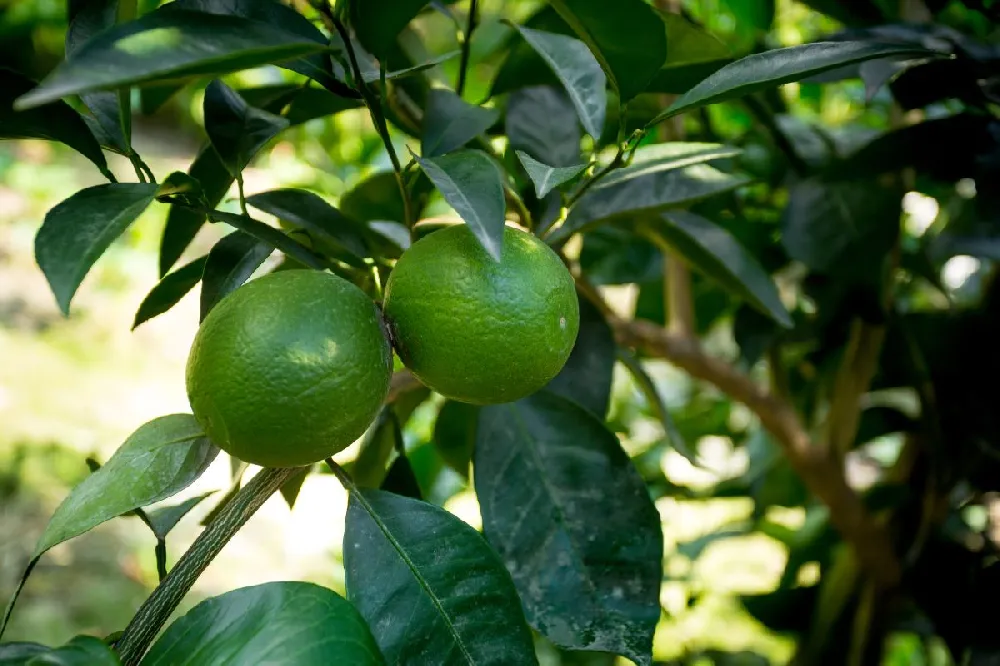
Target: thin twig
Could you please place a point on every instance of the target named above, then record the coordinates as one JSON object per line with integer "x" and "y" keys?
{"x": 463, "y": 65}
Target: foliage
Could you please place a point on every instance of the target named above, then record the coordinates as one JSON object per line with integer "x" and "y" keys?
{"x": 773, "y": 251}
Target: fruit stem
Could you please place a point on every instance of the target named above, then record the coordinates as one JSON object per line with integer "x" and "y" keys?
{"x": 154, "y": 612}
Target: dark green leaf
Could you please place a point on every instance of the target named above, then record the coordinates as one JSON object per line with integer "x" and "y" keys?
{"x": 626, "y": 36}
{"x": 54, "y": 122}
{"x": 281, "y": 624}
{"x": 290, "y": 490}
{"x": 437, "y": 592}
{"x": 230, "y": 263}
{"x": 327, "y": 225}
{"x": 472, "y": 184}
{"x": 236, "y": 129}
{"x": 772, "y": 68}
{"x": 382, "y": 438}
{"x": 164, "y": 519}
{"x": 656, "y": 405}
{"x": 77, "y": 231}
{"x": 665, "y": 157}
{"x": 377, "y": 199}
{"x": 758, "y": 14}
{"x": 450, "y": 122}
{"x": 168, "y": 45}
{"x": 578, "y": 71}
{"x": 181, "y": 185}
{"x": 544, "y": 177}
{"x": 587, "y": 563}
{"x": 80, "y": 651}
{"x": 712, "y": 250}
{"x": 19, "y": 654}
{"x": 377, "y": 22}
{"x": 272, "y": 236}
{"x": 586, "y": 377}
{"x": 688, "y": 44}
{"x": 401, "y": 479}
{"x": 656, "y": 191}
{"x": 310, "y": 103}
{"x": 169, "y": 291}
{"x": 455, "y": 434}
{"x": 754, "y": 333}
{"x": 542, "y": 122}
{"x": 611, "y": 255}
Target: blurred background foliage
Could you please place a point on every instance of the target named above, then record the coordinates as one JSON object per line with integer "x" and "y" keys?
{"x": 744, "y": 544}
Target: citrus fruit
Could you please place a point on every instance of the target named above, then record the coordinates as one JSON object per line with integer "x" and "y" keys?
{"x": 289, "y": 369}
{"x": 477, "y": 330}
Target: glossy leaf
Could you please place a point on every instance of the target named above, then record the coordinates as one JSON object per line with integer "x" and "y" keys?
{"x": 377, "y": 22}
{"x": 230, "y": 263}
{"x": 168, "y": 45}
{"x": 545, "y": 178}
{"x": 54, "y": 122}
{"x": 77, "y": 231}
{"x": 656, "y": 191}
{"x": 688, "y": 43}
{"x": 541, "y": 121}
{"x": 326, "y": 224}
{"x": 281, "y": 624}
{"x": 268, "y": 234}
{"x": 402, "y": 480}
{"x": 577, "y": 70}
{"x": 169, "y": 291}
{"x": 455, "y": 434}
{"x": 430, "y": 585}
{"x": 772, "y": 68}
{"x": 626, "y": 36}
{"x": 20, "y": 653}
{"x": 472, "y": 184}
{"x": 712, "y": 250}
{"x": 586, "y": 377}
{"x": 450, "y": 122}
{"x": 164, "y": 519}
{"x": 587, "y": 564}
{"x": 236, "y": 129}
{"x": 80, "y": 651}
{"x": 666, "y": 156}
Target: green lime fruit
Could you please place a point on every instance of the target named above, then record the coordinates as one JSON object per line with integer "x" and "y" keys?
{"x": 289, "y": 369}
{"x": 477, "y": 330}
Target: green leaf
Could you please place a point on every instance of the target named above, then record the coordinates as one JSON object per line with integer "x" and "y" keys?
{"x": 544, "y": 177}
{"x": 758, "y": 14}
{"x": 577, "y": 70}
{"x": 168, "y": 45}
{"x": 715, "y": 253}
{"x": 665, "y": 157}
{"x": 325, "y": 224}
{"x": 377, "y": 22}
{"x": 626, "y": 36}
{"x": 587, "y": 564}
{"x": 54, "y": 122}
{"x": 377, "y": 198}
{"x": 80, "y": 651}
{"x": 281, "y": 624}
{"x": 690, "y": 44}
{"x": 586, "y": 377}
{"x": 236, "y": 129}
{"x": 20, "y": 653}
{"x": 656, "y": 191}
{"x": 471, "y": 184}
{"x": 402, "y": 480}
{"x": 77, "y": 231}
{"x": 542, "y": 122}
{"x": 230, "y": 263}
{"x": 290, "y": 491}
{"x": 164, "y": 519}
{"x": 455, "y": 434}
{"x": 384, "y": 437}
{"x": 169, "y": 291}
{"x": 450, "y": 122}
{"x": 431, "y": 585}
{"x": 772, "y": 68}
{"x": 272, "y": 236}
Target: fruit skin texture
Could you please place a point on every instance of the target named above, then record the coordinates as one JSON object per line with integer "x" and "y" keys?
{"x": 289, "y": 369}
{"x": 476, "y": 330}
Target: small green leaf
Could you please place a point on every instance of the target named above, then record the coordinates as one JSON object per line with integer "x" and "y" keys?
{"x": 773, "y": 68}
{"x": 626, "y": 36}
{"x": 230, "y": 263}
{"x": 327, "y": 225}
{"x": 180, "y": 184}
{"x": 290, "y": 491}
{"x": 272, "y": 236}
{"x": 168, "y": 45}
{"x": 455, "y": 434}
{"x": 236, "y": 129}
{"x": 450, "y": 122}
{"x": 660, "y": 190}
{"x": 284, "y": 624}
{"x": 80, "y": 651}
{"x": 401, "y": 479}
{"x": 431, "y": 584}
{"x": 54, "y": 122}
{"x": 77, "y": 231}
{"x": 169, "y": 291}
{"x": 666, "y": 156}
{"x": 690, "y": 44}
{"x": 579, "y": 72}
{"x": 164, "y": 519}
{"x": 544, "y": 177}
{"x": 542, "y": 122}
{"x": 712, "y": 250}
{"x": 377, "y": 22}
{"x": 586, "y": 377}
{"x": 472, "y": 184}
{"x": 382, "y": 438}
{"x": 587, "y": 564}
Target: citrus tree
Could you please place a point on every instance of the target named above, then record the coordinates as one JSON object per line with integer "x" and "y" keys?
{"x": 772, "y": 259}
